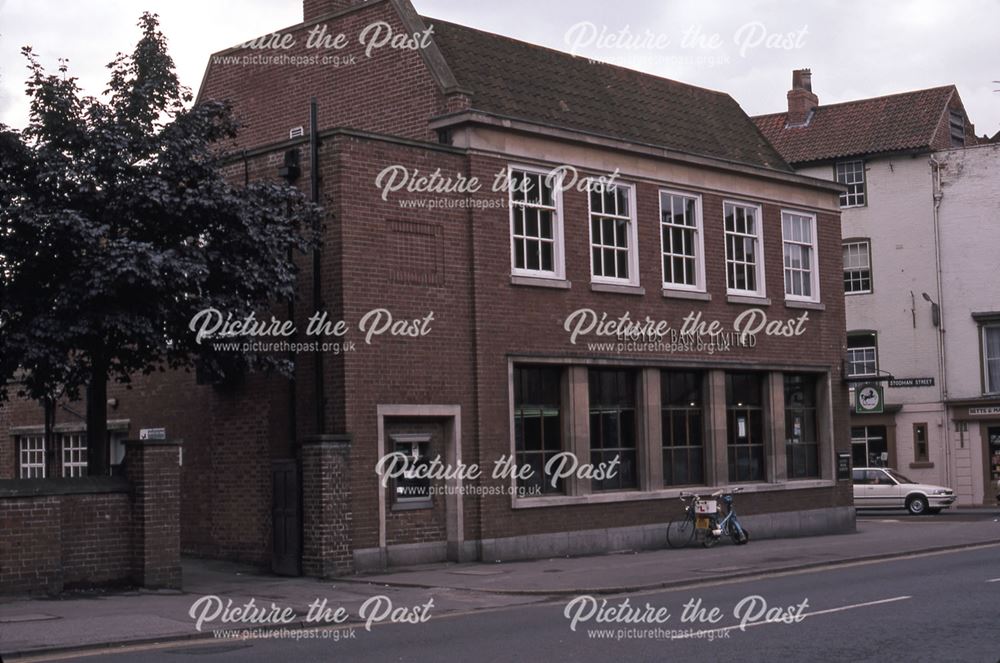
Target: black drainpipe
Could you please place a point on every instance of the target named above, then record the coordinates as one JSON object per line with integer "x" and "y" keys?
{"x": 317, "y": 294}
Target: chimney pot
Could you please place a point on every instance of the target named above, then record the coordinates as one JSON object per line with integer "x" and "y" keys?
{"x": 802, "y": 79}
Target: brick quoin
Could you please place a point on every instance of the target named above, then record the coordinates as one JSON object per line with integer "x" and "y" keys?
{"x": 455, "y": 262}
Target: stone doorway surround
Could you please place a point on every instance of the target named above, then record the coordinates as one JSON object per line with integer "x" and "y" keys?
{"x": 456, "y": 549}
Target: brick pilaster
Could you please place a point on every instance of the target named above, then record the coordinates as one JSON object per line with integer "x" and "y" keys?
{"x": 326, "y": 506}
{"x": 153, "y": 468}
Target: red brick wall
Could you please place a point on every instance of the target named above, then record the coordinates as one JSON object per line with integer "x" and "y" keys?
{"x": 96, "y": 539}
{"x": 67, "y": 533}
{"x": 31, "y": 545}
{"x": 390, "y": 92}
{"x": 436, "y": 369}
{"x": 516, "y": 320}
{"x": 227, "y": 449}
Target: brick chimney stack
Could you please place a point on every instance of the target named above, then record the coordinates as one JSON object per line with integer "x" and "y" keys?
{"x": 316, "y": 9}
{"x": 801, "y": 100}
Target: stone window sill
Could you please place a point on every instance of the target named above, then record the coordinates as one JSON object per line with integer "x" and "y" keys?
{"x": 539, "y": 282}
{"x": 687, "y": 294}
{"x": 618, "y": 289}
{"x": 812, "y": 306}
{"x": 744, "y": 299}
{"x": 413, "y": 506}
{"x": 923, "y": 465}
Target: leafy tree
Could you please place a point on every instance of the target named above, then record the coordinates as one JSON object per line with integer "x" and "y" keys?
{"x": 119, "y": 223}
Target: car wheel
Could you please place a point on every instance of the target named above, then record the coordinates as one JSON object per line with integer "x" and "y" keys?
{"x": 917, "y": 505}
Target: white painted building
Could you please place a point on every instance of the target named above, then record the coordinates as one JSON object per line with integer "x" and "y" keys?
{"x": 921, "y": 244}
{"x": 969, "y": 219}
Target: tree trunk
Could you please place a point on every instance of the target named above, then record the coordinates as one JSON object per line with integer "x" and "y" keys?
{"x": 49, "y": 409}
{"x": 97, "y": 419}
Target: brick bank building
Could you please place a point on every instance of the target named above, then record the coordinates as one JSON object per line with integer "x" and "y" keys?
{"x": 703, "y": 217}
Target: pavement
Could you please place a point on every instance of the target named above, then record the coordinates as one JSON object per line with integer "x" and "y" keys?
{"x": 79, "y": 621}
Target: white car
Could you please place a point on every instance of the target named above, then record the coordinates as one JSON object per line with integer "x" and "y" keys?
{"x": 885, "y": 488}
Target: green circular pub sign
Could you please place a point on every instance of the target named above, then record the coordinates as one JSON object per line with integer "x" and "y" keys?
{"x": 869, "y": 399}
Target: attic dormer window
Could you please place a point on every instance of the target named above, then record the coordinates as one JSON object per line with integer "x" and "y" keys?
{"x": 957, "y": 124}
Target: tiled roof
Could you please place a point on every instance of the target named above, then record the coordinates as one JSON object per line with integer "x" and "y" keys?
{"x": 893, "y": 123}
{"x": 518, "y": 80}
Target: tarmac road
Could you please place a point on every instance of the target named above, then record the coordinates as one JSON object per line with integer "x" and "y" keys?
{"x": 930, "y": 607}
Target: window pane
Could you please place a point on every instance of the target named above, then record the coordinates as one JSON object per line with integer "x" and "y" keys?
{"x": 547, "y": 258}
{"x": 537, "y": 421}
{"x": 801, "y": 435}
{"x": 613, "y": 424}
{"x": 531, "y": 222}
{"x": 545, "y": 224}
{"x": 745, "y": 432}
{"x": 534, "y": 254}
{"x": 681, "y": 399}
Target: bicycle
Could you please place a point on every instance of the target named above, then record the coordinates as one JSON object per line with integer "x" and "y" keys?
{"x": 730, "y": 525}
{"x": 681, "y": 531}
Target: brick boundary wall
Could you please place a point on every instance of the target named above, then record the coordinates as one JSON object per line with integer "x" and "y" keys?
{"x": 61, "y": 534}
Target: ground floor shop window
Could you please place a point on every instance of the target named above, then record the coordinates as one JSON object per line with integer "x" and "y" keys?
{"x": 537, "y": 423}
{"x": 745, "y": 426}
{"x": 613, "y": 426}
{"x": 693, "y": 425}
{"x": 682, "y": 428}
{"x": 868, "y": 446}
{"x": 801, "y": 431}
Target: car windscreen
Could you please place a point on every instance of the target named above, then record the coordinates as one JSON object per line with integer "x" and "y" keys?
{"x": 899, "y": 477}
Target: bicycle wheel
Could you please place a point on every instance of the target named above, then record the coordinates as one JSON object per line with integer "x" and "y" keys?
{"x": 738, "y": 534}
{"x": 680, "y": 532}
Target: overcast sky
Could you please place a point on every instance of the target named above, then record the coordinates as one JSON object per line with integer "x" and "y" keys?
{"x": 856, "y": 48}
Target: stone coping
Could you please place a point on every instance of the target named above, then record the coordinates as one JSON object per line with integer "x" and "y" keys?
{"x": 50, "y": 487}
